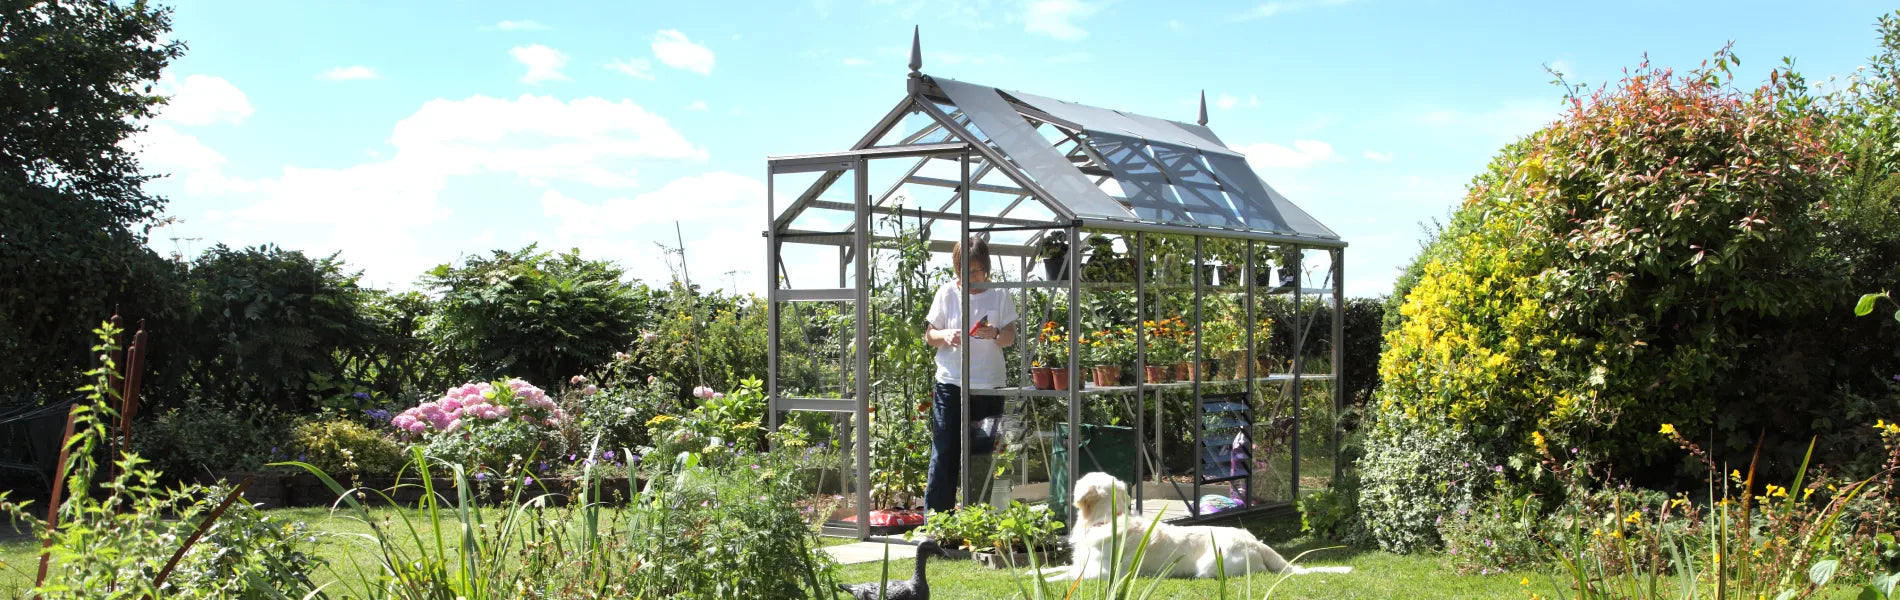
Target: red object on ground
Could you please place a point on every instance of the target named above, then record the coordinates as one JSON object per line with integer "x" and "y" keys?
{"x": 890, "y": 518}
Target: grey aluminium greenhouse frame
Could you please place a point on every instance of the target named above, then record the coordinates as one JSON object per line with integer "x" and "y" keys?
{"x": 1173, "y": 178}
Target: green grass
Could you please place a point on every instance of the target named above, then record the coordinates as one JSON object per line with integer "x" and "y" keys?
{"x": 1375, "y": 575}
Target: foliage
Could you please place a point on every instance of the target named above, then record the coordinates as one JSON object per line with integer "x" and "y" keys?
{"x": 199, "y": 439}
{"x": 1015, "y": 528}
{"x": 75, "y": 86}
{"x": 77, "y": 82}
{"x": 1780, "y": 542}
{"x": 1410, "y": 473}
{"x": 1649, "y": 258}
{"x": 1052, "y": 346}
{"x": 116, "y": 536}
{"x": 269, "y": 324}
{"x": 902, "y": 364}
{"x": 617, "y": 415}
{"x": 537, "y": 315}
{"x": 494, "y": 424}
{"x": 1327, "y": 513}
{"x": 1500, "y": 533}
{"x": 345, "y": 446}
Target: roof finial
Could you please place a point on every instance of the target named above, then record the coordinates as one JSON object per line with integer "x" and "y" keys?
{"x": 916, "y": 53}
{"x": 1203, "y": 120}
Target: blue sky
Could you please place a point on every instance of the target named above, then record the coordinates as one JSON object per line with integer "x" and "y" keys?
{"x": 408, "y": 134}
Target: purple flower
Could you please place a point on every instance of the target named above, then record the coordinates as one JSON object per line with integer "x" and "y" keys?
{"x": 1497, "y": 468}
{"x": 360, "y": 395}
{"x": 527, "y": 481}
{"x": 609, "y": 455}
{"x": 481, "y": 476}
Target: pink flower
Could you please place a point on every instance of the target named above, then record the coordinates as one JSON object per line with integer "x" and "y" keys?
{"x": 620, "y": 356}
{"x": 576, "y": 379}
{"x": 589, "y": 390}
{"x": 718, "y": 395}
{"x": 702, "y": 392}
{"x": 648, "y": 336}
{"x": 651, "y": 379}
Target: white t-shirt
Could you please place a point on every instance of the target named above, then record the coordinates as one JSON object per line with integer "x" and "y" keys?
{"x": 986, "y": 358}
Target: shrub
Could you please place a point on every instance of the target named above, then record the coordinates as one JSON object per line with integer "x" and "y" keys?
{"x": 1411, "y": 474}
{"x": 269, "y": 325}
{"x": 200, "y": 439}
{"x": 1504, "y": 532}
{"x": 1327, "y": 513}
{"x": 487, "y": 424}
{"x": 1650, "y": 258}
{"x": 617, "y": 413}
{"x": 539, "y": 315}
{"x": 345, "y": 446}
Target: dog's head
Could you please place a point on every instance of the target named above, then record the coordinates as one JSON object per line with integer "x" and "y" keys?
{"x": 1099, "y": 497}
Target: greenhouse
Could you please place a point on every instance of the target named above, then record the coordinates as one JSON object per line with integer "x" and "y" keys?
{"x": 1178, "y": 316}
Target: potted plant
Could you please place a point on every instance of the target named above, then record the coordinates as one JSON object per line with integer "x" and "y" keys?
{"x": 1020, "y": 530}
{"x": 1051, "y": 351}
{"x": 1054, "y": 353}
{"x": 1108, "y": 349}
{"x": 1164, "y": 350}
{"x": 1222, "y": 338}
{"x": 1055, "y": 255}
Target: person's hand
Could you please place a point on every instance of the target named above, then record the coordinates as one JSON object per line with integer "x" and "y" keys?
{"x": 952, "y": 338}
{"x": 983, "y": 332}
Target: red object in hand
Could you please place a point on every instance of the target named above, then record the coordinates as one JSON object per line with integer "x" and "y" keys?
{"x": 981, "y": 323}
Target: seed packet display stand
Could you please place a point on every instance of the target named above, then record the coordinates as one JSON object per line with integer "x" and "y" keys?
{"x": 1037, "y": 166}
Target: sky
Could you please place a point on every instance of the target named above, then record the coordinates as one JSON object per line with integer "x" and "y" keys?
{"x": 404, "y": 135}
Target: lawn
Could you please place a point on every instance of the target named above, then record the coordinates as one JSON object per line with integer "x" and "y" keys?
{"x": 1375, "y": 574}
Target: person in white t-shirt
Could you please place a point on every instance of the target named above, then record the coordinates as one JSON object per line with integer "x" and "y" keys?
{"x": 994, "y": 317}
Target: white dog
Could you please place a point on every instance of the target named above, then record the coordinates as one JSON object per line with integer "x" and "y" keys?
{"x": 1102, "y": 525}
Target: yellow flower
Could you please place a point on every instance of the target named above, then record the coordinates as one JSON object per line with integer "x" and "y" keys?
{"x": 1524, "y": 581}
{"x": 1635, "y": 517}
{"x": 1537, "y": 437}
{"x": 1668, "y": 429}
{"x": 1777, "y": 491}
{"x": 658, "y": 419}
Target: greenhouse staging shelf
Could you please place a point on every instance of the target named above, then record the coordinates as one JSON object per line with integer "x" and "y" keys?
{"x": 1129, "y": 389}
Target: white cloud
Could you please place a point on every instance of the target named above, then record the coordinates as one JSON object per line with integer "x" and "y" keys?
{"x": 1376, "y": 156}
{"x": 163, "y": 149}
{"x": 673, "y": 49}
{"x": 348, "y": 73}
{"x": 1226, "y": 101}
{"x": 1281, "y": 7}
{"x": 712, "y": 196}
{"x": 520, "y": 26}
{"x": 544, "y": 63}
{"x": 203, "y": 100}
{"x": 377, "y": 212}
{"x": 541, "y": 138}
{"x": 1494, "y": 126}
{"x": 1303, "y": 154}
{"x": 855, "y": 62}
{"x": 1056, "y": 18}
{"x": 697, "y": 105}
{"x": 637, "y": 67}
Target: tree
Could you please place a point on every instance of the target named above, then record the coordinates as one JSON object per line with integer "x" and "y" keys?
{"x": 75, "y": 82}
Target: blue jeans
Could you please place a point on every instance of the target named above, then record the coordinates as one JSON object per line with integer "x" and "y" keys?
{"x": 946, "y": 444}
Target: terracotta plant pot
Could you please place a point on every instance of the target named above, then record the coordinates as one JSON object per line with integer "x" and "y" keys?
{"x": 1186, "y": 371}
{"x": 1041, "y": 377}
{"x": 1107, "y": 375}
{"x": 1059, "y": 379}
{"x": 1158, "y": 374}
